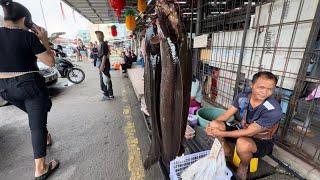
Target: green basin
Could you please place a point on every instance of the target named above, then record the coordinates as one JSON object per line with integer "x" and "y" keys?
{"x": 207, "y": 114}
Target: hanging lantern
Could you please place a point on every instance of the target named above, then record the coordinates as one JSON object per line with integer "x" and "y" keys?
{"x": 142, "y": 6}
{"x": 114, "y": 32}
{"x": 130, "y": 19}
{"x": 117, "y": 5}
{"x": 118, "y": 13}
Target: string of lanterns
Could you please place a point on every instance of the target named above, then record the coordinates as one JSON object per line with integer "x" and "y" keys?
{"x": 119, "y": 5}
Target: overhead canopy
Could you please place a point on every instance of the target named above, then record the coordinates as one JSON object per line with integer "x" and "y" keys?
{"x": 98, "y": 11}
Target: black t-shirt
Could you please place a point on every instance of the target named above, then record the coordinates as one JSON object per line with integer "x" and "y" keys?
{"x": 103, "y": 50}
{"x": 18, "y": 50}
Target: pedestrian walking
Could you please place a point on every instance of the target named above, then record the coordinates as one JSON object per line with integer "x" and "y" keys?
{"x": 103, "y": 63}
{"x": 94, "y": 52}
{"x": 20, "y": 81}
{"x": 82, "y": 51}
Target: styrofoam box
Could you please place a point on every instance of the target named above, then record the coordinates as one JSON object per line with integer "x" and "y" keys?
{"x": 291, "y": 11}
{"x": 226, "y": 55}
{"x": 286, "y": 35}
{"x": 236, "y": 38}
{"x": 280, "y": 58}
{"x": 250, "y": 38}
{"x": 288, "y": 82}
{"x": 231, "y": 39}
{"x": 227, "y": 38}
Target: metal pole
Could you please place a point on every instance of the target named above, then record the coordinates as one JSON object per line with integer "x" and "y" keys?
{"x": 199, "y": 13}
{"x": 246, "y": 27}
{"x": 195, "y": 56}
{"x": 44, "y": 19}
{"x": 191, "y": 27}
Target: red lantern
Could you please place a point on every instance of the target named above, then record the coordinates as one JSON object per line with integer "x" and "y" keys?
{"x": 117, "y": 5}
{"x": 118, "y": 13}
{"x": 114, "y": 32}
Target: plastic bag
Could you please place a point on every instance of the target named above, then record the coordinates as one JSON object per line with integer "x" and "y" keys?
{"x": 105, "y": 80}
{"x": 212, "y": 166}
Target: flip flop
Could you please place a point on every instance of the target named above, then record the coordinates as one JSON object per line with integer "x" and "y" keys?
{"x": 49, "y": 172}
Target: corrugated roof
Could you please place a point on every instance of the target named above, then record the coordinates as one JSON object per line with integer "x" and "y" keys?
{"x": 98, "y": 11}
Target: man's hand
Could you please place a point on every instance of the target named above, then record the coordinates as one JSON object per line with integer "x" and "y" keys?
{"x": 41, "y": 33}
{"x": 210, "y": 124}
{"x": 214, "y": 132}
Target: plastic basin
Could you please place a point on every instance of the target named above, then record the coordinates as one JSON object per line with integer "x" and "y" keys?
{"x": 207, "y": 114}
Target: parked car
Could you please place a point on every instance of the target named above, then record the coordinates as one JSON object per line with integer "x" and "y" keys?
{"x": 50, "y": 75}
{"x": 70, "y": 51}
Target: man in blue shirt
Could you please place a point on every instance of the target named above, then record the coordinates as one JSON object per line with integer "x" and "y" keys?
{"x": 260, "y": 114}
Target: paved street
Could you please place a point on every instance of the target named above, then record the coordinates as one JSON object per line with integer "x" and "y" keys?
{"x": 92, "y": 139}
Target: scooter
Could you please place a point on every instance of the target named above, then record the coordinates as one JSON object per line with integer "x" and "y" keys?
{"x": 68, "y": 70}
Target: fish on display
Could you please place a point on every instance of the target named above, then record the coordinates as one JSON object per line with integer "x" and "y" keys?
{"x": 174, "y": 88}
{"x": 152, "y": 78}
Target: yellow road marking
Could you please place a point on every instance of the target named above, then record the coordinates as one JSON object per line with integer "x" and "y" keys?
{"x": 134, "y": 156}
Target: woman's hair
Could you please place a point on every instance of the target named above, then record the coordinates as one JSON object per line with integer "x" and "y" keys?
{"x": 14, "y": 11}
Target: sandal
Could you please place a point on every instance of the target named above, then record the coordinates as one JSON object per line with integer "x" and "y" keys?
{"x": 49, "y": 172}
{"x": 50, "y": 140}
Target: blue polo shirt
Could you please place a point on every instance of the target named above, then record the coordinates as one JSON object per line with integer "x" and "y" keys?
{"x": 266, "y": 114}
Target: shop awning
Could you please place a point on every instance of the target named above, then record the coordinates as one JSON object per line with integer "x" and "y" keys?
{"x": 98, "y": 11}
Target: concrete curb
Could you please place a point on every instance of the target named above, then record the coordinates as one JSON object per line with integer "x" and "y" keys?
{"x": 136, "y": 77}
{"x": 298, "y": 165}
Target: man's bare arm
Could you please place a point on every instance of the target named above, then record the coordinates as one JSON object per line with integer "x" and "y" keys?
{"x": 252, "y": 130}
{"x": 227, "y": 115}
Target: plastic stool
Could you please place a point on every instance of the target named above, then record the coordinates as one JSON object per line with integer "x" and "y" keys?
{"x": 253, "y": 162}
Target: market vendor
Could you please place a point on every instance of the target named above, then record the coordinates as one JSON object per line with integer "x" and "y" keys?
{"x": 260, "y": 114}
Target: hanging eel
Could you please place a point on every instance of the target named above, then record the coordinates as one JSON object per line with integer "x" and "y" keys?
{"x": 152, "y": 79}
{"x": 175, "y": 79}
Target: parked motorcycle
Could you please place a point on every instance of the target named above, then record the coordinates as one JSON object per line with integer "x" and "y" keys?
{"x": 65, "y": 67}
{"x": 68, "y": 70}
